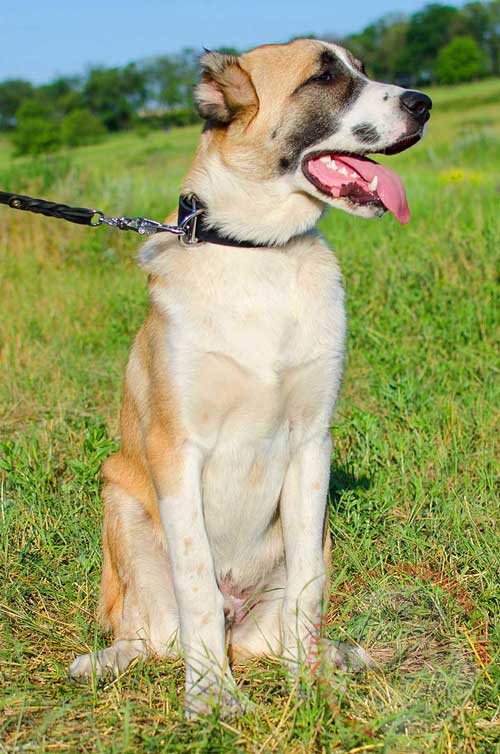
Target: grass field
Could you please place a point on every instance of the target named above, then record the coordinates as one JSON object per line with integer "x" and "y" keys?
{"x": 414, "y": 495}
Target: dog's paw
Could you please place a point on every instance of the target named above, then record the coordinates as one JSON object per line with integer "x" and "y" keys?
{"x": 105, "y": 664}
{"x": 92, "y": 665}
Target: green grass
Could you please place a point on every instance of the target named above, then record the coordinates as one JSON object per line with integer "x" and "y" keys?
{"x": 414, "y": 495}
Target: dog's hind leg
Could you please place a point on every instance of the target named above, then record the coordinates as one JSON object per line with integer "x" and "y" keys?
{"x": 259, "y": 634}
{"x": 137, "y": 600}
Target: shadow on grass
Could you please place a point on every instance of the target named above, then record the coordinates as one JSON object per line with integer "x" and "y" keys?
{"x": 342, "y": 480}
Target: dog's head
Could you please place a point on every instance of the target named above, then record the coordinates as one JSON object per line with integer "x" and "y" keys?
{"x": 291, "y": 125}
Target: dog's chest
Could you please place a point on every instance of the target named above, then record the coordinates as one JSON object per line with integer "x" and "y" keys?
{"x": 256, "y": 340}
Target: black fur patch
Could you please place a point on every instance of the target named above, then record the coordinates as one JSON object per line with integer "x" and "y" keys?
{"x": 327, "y": 57}
{"x": 314, "y": 128}
{"x": 353, "y": 89}
{"x": 366, "y": 133}
{"x": 319, "y": 105}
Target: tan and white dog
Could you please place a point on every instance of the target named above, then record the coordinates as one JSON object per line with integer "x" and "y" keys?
{"x": 215, "y": 538}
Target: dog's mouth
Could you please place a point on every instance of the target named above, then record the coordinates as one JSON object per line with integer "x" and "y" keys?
{"x": 359, "y": 179}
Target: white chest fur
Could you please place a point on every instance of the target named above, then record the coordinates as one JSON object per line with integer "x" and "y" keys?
{"x": 255, "y": 342}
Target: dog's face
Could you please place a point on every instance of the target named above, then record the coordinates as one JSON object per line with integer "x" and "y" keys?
{"x": 305, "y": 115}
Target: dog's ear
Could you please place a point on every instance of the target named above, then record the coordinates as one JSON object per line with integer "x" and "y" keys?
{"x": 225, "y": 90}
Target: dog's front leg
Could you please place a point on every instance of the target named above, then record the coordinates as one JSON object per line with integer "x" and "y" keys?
{"x": 209, "y": 682}
{"x": 302, "y": 512}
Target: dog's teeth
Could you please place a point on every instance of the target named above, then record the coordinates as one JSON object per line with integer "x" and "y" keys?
{"x": 326, "y": 159}
{"x": 373, "y": 185}
{"x": 343, "y": 171}
{"x": 354, "y": 175}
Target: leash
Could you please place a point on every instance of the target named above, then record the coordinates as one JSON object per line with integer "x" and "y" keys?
{"x": 94, "y": 217}
{"x": 190, "y": 224}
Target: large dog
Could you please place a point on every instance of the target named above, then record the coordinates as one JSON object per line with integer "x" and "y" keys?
{"x": 215, "y": 538}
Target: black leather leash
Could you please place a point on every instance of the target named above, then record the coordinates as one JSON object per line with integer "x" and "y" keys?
{"x": 78, "y": 215}
{"x": 191, "y": 226}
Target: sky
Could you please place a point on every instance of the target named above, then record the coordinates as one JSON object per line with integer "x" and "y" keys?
{"x": 40, "y": 39}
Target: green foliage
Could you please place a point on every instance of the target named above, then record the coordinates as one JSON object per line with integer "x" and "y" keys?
{"x": 81, "y": 127}
{"x": 428, "y": 31}
{"x": 402, "y": 49}
{"x": 33, "y": 108}
{"x": 461, "y": 60}
{"x": 481, "y": 20}
{"x": 12, "y": 94}
{"x": 61, "y": 95}
{"x": 38, "y": 131}
{"x": 114, "y": 94}
{"x": 379, "y": 46}
{"x": 171, "y": 79}
{"x": 36, "y": 135}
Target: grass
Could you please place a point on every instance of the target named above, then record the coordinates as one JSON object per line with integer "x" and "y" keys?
{"x": 414, "y": 495}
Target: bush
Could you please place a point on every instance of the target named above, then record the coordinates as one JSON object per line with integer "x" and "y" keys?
{"x": 12, "y": 94}
{"x": 34, "y": 108}
{"x": 38, "y": 132}
{"x": 80, "y": 127}
{"x": 36, "y": 135}
{"x": 461, "y": 60}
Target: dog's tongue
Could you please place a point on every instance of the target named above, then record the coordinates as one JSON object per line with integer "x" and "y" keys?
{"x": 390, "y": 189}
{"x": 390, "y": 186}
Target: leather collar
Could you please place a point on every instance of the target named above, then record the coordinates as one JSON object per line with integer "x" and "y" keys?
{"x": 198, "y": 232}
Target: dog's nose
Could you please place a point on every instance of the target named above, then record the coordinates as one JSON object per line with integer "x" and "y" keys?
{"x": 417, "y": 104}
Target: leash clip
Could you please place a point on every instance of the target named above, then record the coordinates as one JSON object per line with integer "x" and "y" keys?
{"x": 189, "y": 223}
{"x": 142, "y": 225}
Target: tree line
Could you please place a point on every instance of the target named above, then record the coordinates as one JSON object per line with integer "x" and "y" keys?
{"x": 439, "y": 44}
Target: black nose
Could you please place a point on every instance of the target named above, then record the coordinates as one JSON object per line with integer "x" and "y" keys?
{"x": 417, "y": 104}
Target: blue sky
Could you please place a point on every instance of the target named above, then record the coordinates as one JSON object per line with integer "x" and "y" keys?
{"x": 40, "y": 39}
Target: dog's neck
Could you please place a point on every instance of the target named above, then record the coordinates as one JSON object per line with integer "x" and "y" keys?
{"x": 243, "y": 208}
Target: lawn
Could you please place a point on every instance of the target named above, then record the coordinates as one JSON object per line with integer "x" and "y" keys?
{"x": 414, "y": 504}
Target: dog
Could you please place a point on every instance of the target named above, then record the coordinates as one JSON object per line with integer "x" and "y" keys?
{"x": 215, "y": 539}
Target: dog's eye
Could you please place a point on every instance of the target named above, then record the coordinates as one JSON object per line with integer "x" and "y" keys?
{"x": 322, "y": 78}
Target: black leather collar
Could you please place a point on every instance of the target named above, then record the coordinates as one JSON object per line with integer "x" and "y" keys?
{"x": 198, "y": 232}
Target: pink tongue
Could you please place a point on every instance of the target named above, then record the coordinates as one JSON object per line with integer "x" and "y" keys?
{"x": 390, "y": 188}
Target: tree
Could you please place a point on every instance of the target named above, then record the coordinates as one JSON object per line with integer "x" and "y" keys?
{"x": 481, "y": 21}
{"x": 34, "y": 108}
{"x": 493, "y": 36}
{"x": 113, "y": 94}
{"x": 81, "y": 127}
{"x": 12, "y": 94}
{"x": 171, "y": 79}
{"x": 428, "y": 31}
{"x": 36, "y": 128}
{"x": 461, "y": 60}
{"x": 35, "y": 135}
{"x": 378, "y": 46}
{"x": 62, "y": 95}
